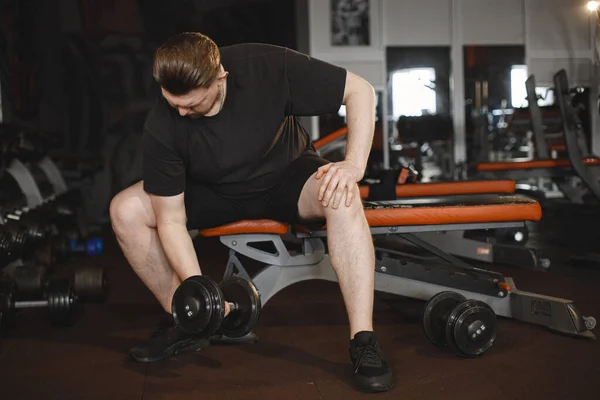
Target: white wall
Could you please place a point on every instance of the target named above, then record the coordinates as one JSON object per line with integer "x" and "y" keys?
{"x": 417, "y": 23}
{"x": 559, "y": 35}
{"x": 556, "y": 34}
{"x": 369, "y": 60}
{"x": 489, "y": 22}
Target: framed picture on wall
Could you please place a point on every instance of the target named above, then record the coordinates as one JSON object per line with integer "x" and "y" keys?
{"x": 350, "y": 23}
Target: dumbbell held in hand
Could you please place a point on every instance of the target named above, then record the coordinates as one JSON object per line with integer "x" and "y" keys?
{"x": 198, "y": 306}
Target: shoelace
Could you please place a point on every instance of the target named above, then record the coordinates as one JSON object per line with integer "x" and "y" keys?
{"x": 369, "y": 354}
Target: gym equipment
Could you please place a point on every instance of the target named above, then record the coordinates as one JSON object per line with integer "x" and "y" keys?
{"x": 506, "y": 246}
{"x": 64, "y": 246}
{"x": 18, "y": 242}
{"x": 406, "y": 274}
{"x": 91, "y": 283}
{"x": 61, "y": 302}
{"x": 575, "y": 139}
{"x": 436, "y": 314}
{"x": 6, "y": 248}
{"x": 575, "y": 176}
{"x": 468, "y": 327}
{"x": 199, "y": 306}
{"x": 517, "y": 236}
{"x": 31, "y": 281}
{"x": 91, "y": 247}
{"x": 471, "y": 328}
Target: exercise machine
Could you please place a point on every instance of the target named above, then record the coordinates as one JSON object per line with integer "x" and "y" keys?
{"x": 398, "y": 272}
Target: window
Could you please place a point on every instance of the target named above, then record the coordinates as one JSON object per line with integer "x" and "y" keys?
{"x": 518, "y": 92}
{"x": 413, "y": 92}
{"x": 518, "y": 77}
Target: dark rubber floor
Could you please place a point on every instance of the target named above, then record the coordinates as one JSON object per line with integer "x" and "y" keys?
{"x": 303, "y": 347}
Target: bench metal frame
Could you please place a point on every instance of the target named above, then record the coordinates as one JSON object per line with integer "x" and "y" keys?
{"x": 402, "y": 274}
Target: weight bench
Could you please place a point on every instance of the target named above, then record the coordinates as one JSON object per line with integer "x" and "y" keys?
{"x": 398, "y": 272}
{"x": 500, "y": 246}
{"x": 507, "y": 246}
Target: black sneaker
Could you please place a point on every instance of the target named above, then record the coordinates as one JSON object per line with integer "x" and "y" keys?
{"x": 167, "y": 341}
{"x": 371, "y": 371}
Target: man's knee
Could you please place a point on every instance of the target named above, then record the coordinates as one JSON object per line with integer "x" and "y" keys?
{"x": 130, "y": 208}
{"x": 344, "y": 211}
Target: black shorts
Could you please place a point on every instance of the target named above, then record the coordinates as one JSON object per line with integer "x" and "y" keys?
{"x": 206, "y": 208}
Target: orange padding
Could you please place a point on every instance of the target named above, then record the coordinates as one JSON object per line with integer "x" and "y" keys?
{"x": 538, "y": 164}
{"x": 449, "y": 188}
{"x": 404, "y": 216}
{"x": 335, "y": 135}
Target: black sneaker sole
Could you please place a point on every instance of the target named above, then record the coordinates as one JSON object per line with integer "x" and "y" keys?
{"x": 187, "y": 346}
{"x": 374, "y": 384}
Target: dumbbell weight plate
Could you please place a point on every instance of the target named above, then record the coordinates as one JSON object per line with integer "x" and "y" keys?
{"x": 30, "y": 281}
{"x": 436, "y": 313}
{"x": 62, "y": 303}
{"x": 241, "y": 321}
{"x": 90, "y": 283}
{"x": 471, "y": 329}
{"x": 197, "y": 306}
{"x": 7, "y": 297}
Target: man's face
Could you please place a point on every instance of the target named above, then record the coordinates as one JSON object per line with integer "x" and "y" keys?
{"x": 199, "y": 102}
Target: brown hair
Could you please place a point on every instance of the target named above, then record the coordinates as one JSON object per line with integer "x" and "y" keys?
{"x": 186, "y": 61}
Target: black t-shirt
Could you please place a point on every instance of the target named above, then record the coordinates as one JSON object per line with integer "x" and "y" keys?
{"x": 245, "y": 148}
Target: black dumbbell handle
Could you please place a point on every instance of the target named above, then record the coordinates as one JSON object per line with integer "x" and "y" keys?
{"x": 232, "y": 307}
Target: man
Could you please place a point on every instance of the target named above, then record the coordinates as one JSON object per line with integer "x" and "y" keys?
{"x": 224, "y": 143}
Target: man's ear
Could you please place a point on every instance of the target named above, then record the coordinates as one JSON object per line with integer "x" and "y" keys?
{"x": 222, "y": 74}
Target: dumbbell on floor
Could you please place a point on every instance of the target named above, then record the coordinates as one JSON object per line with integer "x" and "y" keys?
{"x": 468, "y": 327}
{"x": 198, "y": 306}
{"x": 61, "y": 302}
{"x": 63, "y": 246}
{"x": 90, "y": 283}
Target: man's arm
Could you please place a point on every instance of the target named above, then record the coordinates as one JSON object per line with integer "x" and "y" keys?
{"x": 360, "y": 102}
{"x": 172, "y": 230}
{"x": 338, "y": 178}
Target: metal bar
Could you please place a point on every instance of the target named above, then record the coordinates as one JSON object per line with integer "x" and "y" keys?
{"x": 387, "y": 230}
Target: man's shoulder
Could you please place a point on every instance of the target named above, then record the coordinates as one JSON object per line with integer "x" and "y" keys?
{"x": 244, "y": 51}
{"x": 159, "y": 116}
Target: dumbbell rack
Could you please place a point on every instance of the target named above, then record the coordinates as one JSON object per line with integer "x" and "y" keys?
{"x": 42, "y": 200}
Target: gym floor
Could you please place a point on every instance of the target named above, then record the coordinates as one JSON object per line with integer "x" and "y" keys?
{"x": 302, "y": 351}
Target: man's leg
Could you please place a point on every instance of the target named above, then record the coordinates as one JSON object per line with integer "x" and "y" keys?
{"x": 352, "y": 257}
{"x": 350, "y": 250}
{"x": 134, "y": 224}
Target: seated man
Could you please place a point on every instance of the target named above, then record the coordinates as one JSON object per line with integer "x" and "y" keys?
{"x": 224, "y": 143}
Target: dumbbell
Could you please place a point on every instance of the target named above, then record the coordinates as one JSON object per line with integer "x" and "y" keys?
{"x": 468, "y": 327}
{"x": 35, "y": 230}
{"x": 198, "y": 306}
{"x": 31, "y": 281}
{"x": 61, "y": 302}
{"x": 6, "y": 248}
{"x": 90, "y": 247}
{"x": 16, "y": 242}
{"x": 90, "y": 283}
{"x": 63, "y": 246}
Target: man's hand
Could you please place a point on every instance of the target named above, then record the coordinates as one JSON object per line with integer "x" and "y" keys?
{"x": 338, "y": 180}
